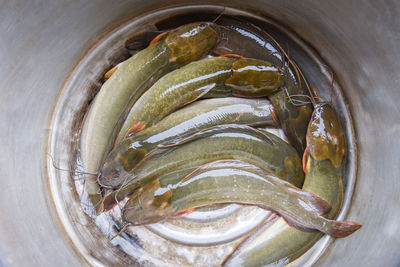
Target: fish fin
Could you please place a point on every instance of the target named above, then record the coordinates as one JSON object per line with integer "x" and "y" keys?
{"x": 305, "y": 160}
{"x": 135, "y": 128}
{"x": 316, "y": 94}
{"x": 187, "y": 177}
{"x": 340, "y": 229}
{"x": 158, "y": 38}
{"x": 202, "y": 91}
{"x": 110, "y": 72}
{"x": 274, "y": 116}
{"x": 183, "y": 213}
{"x": 109, "y": 202}
{"x": 234, "y": 56}
{"x": 176, "y": 142}
{"x": 99, "y": 207}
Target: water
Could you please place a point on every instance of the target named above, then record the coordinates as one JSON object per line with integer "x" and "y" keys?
{"x": 204, "y": 237}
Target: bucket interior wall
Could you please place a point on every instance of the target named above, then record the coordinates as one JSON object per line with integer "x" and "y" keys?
{"x": 42, "y": 41}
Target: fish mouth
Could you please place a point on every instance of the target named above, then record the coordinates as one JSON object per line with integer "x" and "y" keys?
{"x": 106, "y": 180}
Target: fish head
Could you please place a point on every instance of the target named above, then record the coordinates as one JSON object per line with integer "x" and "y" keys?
{"x": 253, "y": 77}
{"x": 120, "y": 162}
{"x": 149, "y": 204}
{"x": 325, "y": 136}
{"x": 190, "y": 42}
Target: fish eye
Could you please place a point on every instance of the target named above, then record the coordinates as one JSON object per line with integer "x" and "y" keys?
{"x": 202, "y": 25}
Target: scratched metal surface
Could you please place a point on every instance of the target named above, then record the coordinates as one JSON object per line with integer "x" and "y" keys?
{"x": 41, "y": 41}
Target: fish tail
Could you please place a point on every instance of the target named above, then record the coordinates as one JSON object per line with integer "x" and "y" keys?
{"x": 342, "y": 229}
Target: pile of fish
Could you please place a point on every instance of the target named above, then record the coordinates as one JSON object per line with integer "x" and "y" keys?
{"x": 180, "y": 125}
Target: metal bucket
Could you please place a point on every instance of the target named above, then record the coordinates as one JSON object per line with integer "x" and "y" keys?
{"x": 41, "y": 43}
